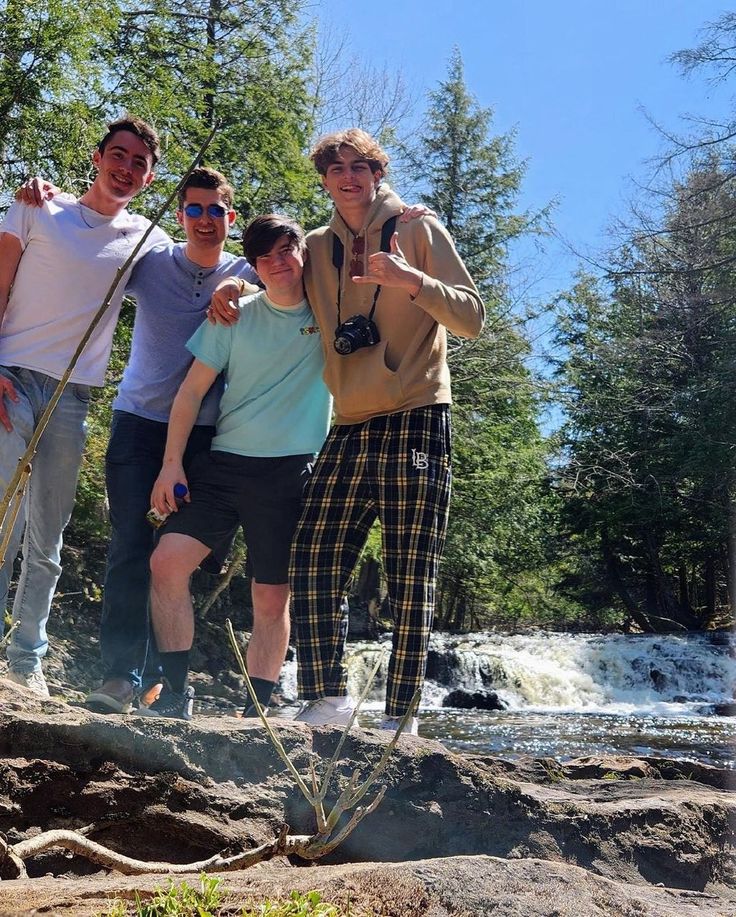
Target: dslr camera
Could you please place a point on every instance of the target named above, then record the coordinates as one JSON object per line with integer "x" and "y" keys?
{"x": 354, "y": 333}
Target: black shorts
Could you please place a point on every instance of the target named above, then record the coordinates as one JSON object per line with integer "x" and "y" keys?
{"x": 263, "y": 495}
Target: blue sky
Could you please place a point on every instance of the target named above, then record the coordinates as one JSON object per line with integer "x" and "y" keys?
{"x": 572, "y": 78}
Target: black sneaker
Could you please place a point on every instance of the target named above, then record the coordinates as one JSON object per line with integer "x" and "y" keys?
{"x": 171, "y": 705}
{"x": 250, "y": 712}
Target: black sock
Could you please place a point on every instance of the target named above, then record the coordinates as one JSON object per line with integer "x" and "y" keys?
{"x": 263, "y": 688}
{"x": 176, "y": 669}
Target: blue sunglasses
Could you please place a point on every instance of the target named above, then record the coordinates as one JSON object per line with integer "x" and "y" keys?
{"x": 216, "y": 211}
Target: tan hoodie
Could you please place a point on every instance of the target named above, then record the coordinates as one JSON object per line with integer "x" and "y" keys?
{"x": 408, "y": 367}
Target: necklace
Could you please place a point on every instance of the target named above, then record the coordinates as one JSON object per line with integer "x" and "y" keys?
{"x": 84, "y": 218}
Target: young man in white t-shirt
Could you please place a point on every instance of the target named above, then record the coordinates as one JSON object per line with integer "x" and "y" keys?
{"x": 57, "y": 263}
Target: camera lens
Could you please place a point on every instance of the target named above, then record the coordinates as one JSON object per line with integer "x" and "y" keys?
{"x": 354, "y": 333}
{"x": 343, "y": 345}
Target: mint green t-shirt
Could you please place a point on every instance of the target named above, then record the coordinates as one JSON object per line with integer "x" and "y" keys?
{"x": 275, "y": 402}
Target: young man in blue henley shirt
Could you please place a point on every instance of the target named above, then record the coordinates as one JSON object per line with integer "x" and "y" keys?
{"x": 172, "y": 286}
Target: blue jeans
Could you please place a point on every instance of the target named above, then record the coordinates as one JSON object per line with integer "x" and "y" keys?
{"x": 134, "y": 456}
{"x": 47, "y": 504}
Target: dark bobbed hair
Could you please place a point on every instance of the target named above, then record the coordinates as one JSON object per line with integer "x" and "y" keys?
{"x": 263, "y": 232}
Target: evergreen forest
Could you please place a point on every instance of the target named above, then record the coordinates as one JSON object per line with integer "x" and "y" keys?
{"x": 620, "y": 514}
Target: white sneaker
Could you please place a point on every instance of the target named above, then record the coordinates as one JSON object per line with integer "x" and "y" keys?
{"x": 391, "y": 723}
{"x": 328, "y": 711}
{"x": 34, "y": 681}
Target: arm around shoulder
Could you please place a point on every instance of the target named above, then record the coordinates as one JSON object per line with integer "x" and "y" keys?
{"x": 223, "y": 308}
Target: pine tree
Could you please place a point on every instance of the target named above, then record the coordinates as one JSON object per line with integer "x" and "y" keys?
{"x": 50, "y": 76}
{"x": 651, "y": 422}
{"x": 190, "y": 65}
{"x": 472, "y": 179}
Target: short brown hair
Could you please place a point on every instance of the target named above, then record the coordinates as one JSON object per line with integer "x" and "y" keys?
{"x": 327, "y": 150}
{"x": 212, "y": 180}
{"x": 136, "y": 126}
{"x": 263, "y": 232}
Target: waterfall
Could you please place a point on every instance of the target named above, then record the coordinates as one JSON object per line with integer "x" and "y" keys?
{"x": 567, "y": 695}
{"x": 568, "y": 672}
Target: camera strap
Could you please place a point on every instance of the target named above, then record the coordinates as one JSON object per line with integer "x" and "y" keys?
{"x": 338, "y": 259}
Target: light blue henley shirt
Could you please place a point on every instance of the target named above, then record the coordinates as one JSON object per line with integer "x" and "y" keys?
{"x": 172, "y": 295}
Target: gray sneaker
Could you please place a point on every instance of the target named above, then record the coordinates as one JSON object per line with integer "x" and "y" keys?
{"x": 391, "y": 723}
{"x": 115, "y": 696}
{"x": 327, "y": 711}
{"x": 171, "y": 705}
{"x": 33, "y": 681}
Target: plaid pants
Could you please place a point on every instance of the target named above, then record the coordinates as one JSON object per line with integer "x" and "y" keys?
{"x": 395, "y": 468}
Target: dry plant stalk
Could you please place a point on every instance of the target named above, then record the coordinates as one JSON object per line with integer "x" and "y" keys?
{"x": 308, "y": 846}
{"x": 9, "y": 633}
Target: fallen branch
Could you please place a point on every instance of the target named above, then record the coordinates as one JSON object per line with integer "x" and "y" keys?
{"x": 308, "y": 847}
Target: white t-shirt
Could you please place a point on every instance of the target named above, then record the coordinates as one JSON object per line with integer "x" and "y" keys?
{"x": 70, "y": 258}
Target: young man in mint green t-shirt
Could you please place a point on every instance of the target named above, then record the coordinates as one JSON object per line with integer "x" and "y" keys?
{"x": 273, "y": 418}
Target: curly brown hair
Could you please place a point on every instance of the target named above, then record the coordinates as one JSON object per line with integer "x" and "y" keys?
{"x": 327, "y": 150}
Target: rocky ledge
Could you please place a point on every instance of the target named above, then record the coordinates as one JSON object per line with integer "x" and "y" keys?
{"x": 454, "y": 834}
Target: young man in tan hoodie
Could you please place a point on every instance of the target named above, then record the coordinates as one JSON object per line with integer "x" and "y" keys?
{"x": 384, "y": 298}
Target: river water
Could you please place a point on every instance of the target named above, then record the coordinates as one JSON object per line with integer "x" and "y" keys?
{"x": 569, "y": 695}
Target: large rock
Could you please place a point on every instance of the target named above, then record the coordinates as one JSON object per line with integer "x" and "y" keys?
{"x": 457, "y": 887}
{"x": 473, "y": 700}
{"x": 176, "y": 791}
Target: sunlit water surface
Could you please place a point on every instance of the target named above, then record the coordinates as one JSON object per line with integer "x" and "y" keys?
{"x": 570, "y": 695}
{"x": 512, "y": 733}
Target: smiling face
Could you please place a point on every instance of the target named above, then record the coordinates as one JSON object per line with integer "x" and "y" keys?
{"x": 280, "y": 271}
{"x": 352, "y": 185}
{"x": 207, "y": 231}
{"x": 124, "y": 168}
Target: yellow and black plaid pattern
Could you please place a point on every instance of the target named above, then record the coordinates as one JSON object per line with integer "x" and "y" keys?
{"x": 395, "y": 468}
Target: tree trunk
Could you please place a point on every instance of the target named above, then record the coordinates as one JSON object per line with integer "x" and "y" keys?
{"x": 618, "y": 585}
{"x": 368, "y": 585}
{"x": 449, "y": 601}
{"x": 671, "y": 615}
{"x": 731, "y": 550}
{"x": 684, "y": 587}
{"x": 461, "y": 605}
{"x": 215, "y": 11}
{"x": 366, "y": 601}
{"x": 710, "y": 590}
